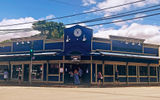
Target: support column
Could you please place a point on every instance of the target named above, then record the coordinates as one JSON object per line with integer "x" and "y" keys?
{"x": 30, "y": 72}
{"x": 91, "y": 70}
{"x": 127, "y": 72}
{"x": 148, "y": 74}
{"x": 47, "y": 71}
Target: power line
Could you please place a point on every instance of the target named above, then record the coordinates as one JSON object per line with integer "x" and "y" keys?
{"x": 65, "y": 3}
{"x": 113, "y": 16}
{"x": 125, "y": 19}
{"x": 67, "y": 16}
{"x": 124, "y": 14}
{"x": 102, "y": 18}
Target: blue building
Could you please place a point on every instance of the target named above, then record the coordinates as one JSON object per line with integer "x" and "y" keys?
{"x": 55, "y": 59}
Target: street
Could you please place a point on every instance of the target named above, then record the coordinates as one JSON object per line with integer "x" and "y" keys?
{"x": 50, "y": 93}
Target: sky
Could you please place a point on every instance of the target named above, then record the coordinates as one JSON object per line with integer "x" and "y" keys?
{"x": 18, "y": 11}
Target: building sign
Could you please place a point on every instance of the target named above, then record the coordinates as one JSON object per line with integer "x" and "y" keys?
{"x": 76, "y": 58}
{"x": 61, "y": 70}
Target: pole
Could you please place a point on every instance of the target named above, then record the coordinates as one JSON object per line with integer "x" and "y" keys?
{"x": 30, "y": 69}
{"x": 30, "y": 72}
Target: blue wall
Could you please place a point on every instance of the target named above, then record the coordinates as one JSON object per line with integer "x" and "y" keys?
{"x": 21, "y": 47}
{"x": 102, "y": 46}
{"x": 57, "y": 45}
{"x": 37, "y": 45}
{"x": 122, "y": 46}
{"x": 5, "y": 49}
{"x": 151, "y": 50}
{"x": 75, "y": 44}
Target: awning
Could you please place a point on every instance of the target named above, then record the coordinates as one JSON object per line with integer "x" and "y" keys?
{"x": 23, "y": 54}
{"x": 125, "y": 55}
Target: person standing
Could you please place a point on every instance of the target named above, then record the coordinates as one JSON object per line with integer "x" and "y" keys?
{"x": 19, "y": 76}
{"x": 6, "y": 75}
{"x": 76, "y": 77}
{"x": 116, "y": 76}
{"x": 80, "y": 72}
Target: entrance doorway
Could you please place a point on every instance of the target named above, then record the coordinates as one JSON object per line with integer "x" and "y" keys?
{"x": 26, "y": 72}
{"x": 69, "y": 70}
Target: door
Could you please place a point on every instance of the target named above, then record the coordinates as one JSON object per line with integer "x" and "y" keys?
{"x": 99, "y": 69}
{"x": 69, "y": 71}
{"x": 26, "y": 72}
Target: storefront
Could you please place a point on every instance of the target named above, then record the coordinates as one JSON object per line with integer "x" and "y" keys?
{"x": 56, "y": 60}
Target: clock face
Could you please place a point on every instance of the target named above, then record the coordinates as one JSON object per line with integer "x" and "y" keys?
{"x": 77, "y": 32}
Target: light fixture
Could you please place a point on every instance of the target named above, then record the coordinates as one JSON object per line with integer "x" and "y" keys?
{"x": 22, "y": 42}
{"x": 126, "y": 42}
{"x": 84, "y": 38}
{"x": 68, "y": 39}
{"x": 28, "y": 42}
{"x": 17, "y": 43}
{"x": 133, "y": 43}
{"x": 139, "y": 44}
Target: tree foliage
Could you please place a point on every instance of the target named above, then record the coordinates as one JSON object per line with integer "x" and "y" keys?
{"x": 50, "y": 29}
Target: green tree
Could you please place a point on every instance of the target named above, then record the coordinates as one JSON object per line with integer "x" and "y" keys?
{"x": 50, "y": 29}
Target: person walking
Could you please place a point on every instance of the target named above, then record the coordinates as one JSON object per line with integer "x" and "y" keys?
{"x": 100, "y": 78}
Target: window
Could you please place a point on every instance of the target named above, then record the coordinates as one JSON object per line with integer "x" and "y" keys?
{"x": 16, "y": 69}
{"x": 53, "y": 69}
{"x": 143, "y": 70}
{"x": 108, "y": 69}
{"x": 152, "y": 71}
{"x": 2, "y": 69}
{"x": 99, "y": 68}
{"x": 121, "y": 69}
{"x": 132, "y": 70}
{"x": 37, "y": 72}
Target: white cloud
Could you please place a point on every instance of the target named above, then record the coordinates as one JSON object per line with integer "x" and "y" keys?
{"x": 50, "y": 16}
{"x": 149, "y": 32}
{"x": 111, "y": 3}
{"x": 68, "y": 26}
{"x": 16, "y": 34}
{"x": 139, "y": 15}
{"x": 88, "y": 2}
{"x": 119, "y": 23}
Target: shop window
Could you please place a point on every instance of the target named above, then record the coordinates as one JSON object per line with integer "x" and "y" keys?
{"x": 99, "y": 68}
{"x": 143, "y": 70}
{"x": 132, "y": 70}
{"x": 152, "y": 71}
{"x": 121, "y": 69}
{"x": 2, "y": 69}
{"x": 53, "y": 69}
{"x": 16, "y": 70}
{"x": 37, "y": 72}
{"x": 108, "y": 69}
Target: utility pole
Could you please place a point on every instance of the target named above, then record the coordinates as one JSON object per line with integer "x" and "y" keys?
{"x": 31, "y": 58}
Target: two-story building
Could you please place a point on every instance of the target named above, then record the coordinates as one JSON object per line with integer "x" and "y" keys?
{"x": 54, "y": 59}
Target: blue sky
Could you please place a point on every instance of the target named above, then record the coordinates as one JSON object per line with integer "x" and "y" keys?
{"x": 16, "y": 11}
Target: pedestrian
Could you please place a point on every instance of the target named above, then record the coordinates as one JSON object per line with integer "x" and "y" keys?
{"x": 80, "y": 72}
{"x": 100, "y": 78}
{"x": 5, "y": 75}
{"x": 19, "y": 76}
{"x": 116, "y": 76}
{"x": 76, "y": 77}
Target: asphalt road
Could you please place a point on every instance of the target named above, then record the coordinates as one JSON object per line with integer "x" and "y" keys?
{"x": 49, "y": 93}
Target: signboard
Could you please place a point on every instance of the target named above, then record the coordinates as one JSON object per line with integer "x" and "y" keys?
{"x": 76, "y": 58}
{"x": 61, "y": 70}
